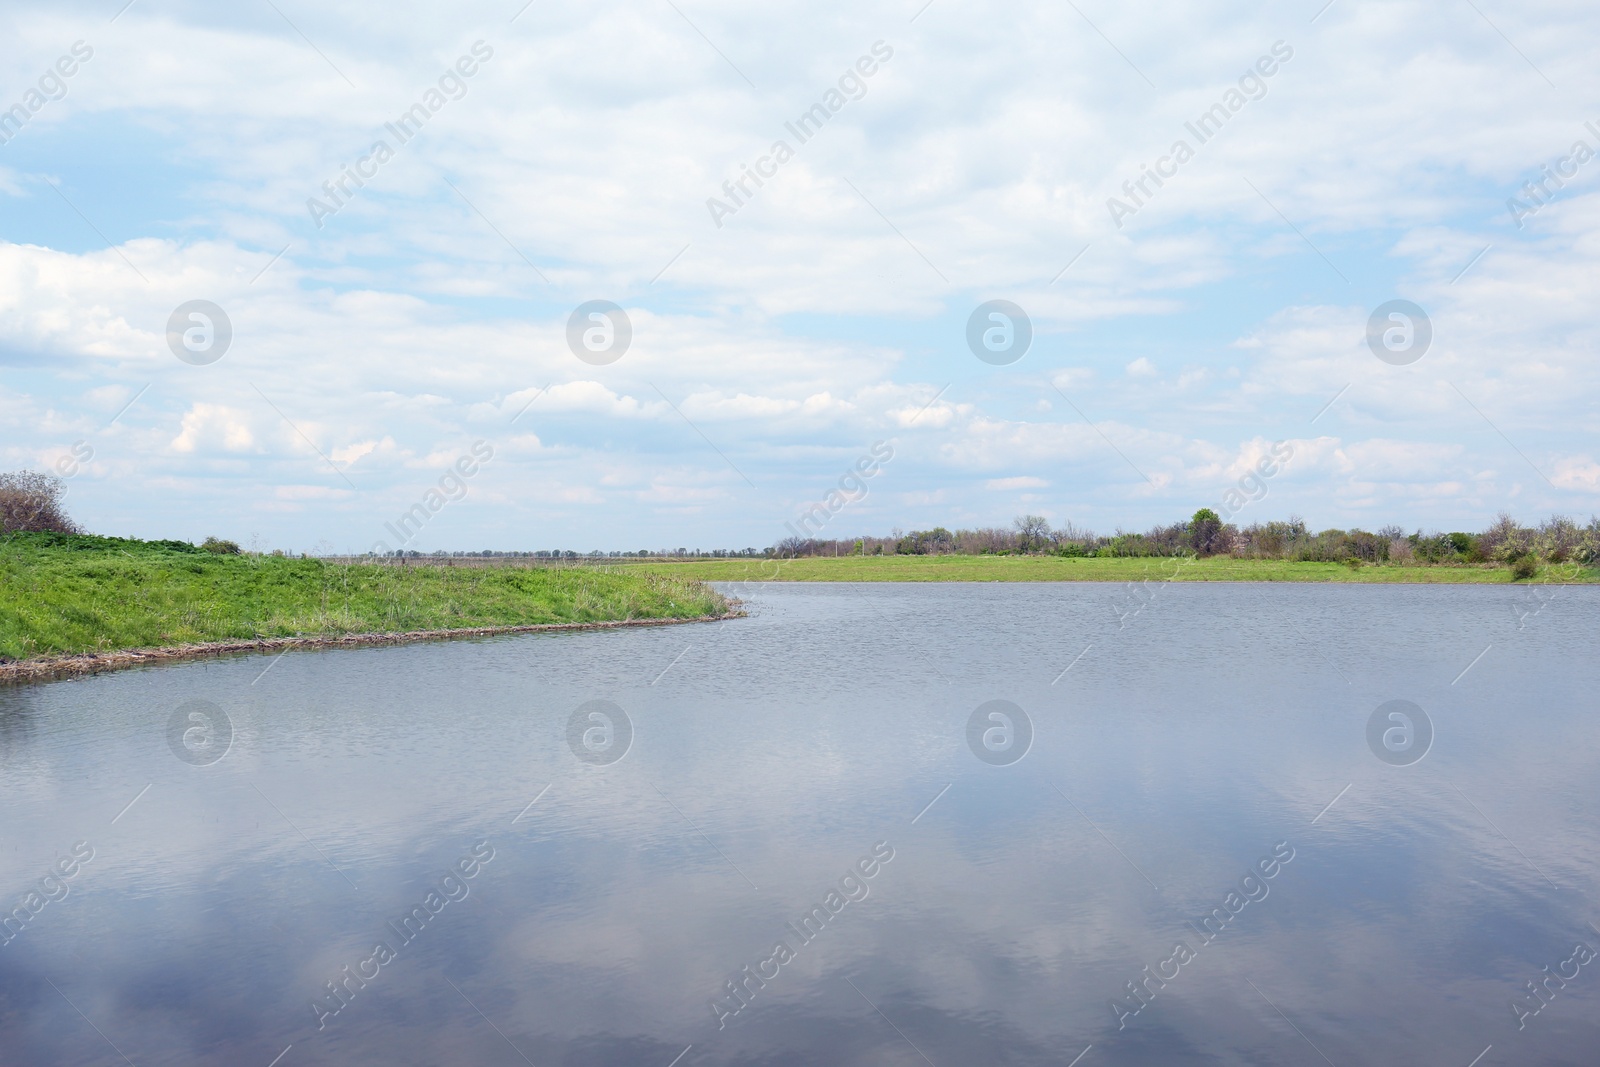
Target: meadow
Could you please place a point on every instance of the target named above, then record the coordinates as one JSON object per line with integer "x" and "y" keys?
{"x": 67, "y": 593}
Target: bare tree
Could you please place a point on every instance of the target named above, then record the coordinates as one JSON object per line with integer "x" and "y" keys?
{"x": 790, "y": 547}
{"x": 1032, "y": 531}
{"x": 1070, "y": 534}
{"x": 30, "y": 502}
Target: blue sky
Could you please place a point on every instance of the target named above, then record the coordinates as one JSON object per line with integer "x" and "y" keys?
{"x": 829, "y": 311}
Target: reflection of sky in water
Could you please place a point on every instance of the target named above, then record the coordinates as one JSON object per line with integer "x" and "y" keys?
{"x": 1173, "y": 755}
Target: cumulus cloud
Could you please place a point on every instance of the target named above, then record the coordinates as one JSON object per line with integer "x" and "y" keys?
{"x": 215, "y": 426}
{"x": 828, "y": 312}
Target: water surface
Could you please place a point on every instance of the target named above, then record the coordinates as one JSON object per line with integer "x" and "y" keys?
{"x": 1182, "y": 743}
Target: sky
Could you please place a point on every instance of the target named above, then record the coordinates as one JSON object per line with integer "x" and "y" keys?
{"x": 394, "y": 222}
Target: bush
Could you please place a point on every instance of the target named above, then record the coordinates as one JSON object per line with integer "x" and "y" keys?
{"x": 1370, "y": 548}
{"x": 91, "y": 543}
{"x": 1505, "y": 540}
{"x": 1559, "y": 539}
{"x": 30, "y": 502}
{"x": 220, "y": 547}
{"x": 1523, "y": 568}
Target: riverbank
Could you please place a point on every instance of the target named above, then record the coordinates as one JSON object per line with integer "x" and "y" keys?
{"x": 43, "y": 668}
{"x": 954, "y": 568}
{"x": 82, "y": 604}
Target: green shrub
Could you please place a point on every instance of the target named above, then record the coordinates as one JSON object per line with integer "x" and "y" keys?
{"x": 1523, "y": 568}
{"x": 219, "y": 547}
{"x": 1205, "y": 532}
{"x": 95, "y": 543}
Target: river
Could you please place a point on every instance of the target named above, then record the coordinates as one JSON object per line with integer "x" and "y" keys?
{"x": 871, "y": 824}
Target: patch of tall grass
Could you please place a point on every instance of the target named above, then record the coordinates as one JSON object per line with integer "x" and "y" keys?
{"x": 63, "y": 593}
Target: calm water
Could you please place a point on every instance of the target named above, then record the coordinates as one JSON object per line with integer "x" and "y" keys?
{"x": 595, "y": 909}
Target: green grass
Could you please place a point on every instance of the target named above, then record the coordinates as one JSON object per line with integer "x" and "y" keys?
{"x": 80, "y": 594}
{"x": 1062, "y": 569}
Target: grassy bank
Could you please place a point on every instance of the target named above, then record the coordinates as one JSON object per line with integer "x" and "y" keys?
{"x": 67, "y": 594}
{"x": 954, "y": 568}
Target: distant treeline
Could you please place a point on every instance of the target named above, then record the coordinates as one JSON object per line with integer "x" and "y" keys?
{"x": 1556, "y": 540}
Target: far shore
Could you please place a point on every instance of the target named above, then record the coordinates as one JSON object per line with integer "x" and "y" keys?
{"x": 1044, "y": 568}
{"x": 46, "y": 668}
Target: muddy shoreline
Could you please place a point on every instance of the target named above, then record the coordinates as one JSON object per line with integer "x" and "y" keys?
{"x": 49, "y": 668}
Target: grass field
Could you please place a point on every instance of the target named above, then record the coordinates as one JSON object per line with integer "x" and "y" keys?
{"x": 86, "y": 594}
{"x": 1062, "y": 569}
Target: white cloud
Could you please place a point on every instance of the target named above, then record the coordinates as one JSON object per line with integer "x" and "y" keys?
{"x": 828, "y": 312}
{"x": 215, "y": 426}
{"x": 349, "y": 454}
{"x": 1577, "y": 472}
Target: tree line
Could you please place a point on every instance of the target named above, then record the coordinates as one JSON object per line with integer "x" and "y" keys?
{"x": 1556, "y": 540}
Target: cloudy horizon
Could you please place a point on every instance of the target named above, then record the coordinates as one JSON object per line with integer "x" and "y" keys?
{"x": 389, "y": 314}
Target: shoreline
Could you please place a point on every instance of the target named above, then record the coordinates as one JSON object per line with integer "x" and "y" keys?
{"x": 1116, "y": 570}
{"x": 1123, "y": 582}
{"x": 81, "y": 664}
